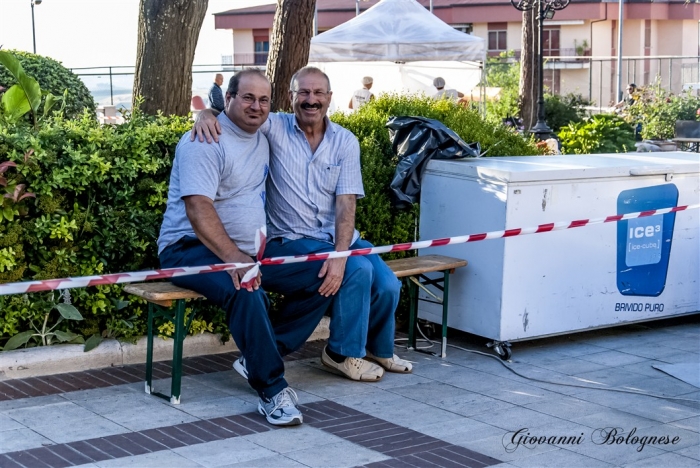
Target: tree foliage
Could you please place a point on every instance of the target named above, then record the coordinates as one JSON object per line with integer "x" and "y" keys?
{"x": 503, "y": 72}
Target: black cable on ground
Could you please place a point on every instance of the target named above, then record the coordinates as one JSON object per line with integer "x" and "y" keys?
{"x": 619, "y": 390}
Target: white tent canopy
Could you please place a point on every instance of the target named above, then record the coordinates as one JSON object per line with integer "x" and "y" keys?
{"x": 403, "y": 47}
{"x": 395, "y": 31}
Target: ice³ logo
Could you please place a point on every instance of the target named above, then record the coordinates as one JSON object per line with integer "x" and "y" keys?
{"x": 639, "y": 232}
{"x": 644, "y": 244}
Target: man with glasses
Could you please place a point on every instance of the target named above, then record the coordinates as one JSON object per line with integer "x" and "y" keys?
{"x": 314, "y": 182}
{"x": 216, "y": 203}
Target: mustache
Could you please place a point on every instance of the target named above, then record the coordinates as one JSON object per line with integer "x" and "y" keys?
{"x": 306, "y": 105}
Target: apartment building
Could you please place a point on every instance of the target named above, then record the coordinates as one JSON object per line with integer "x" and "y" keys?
{"x": 660, "y": 38}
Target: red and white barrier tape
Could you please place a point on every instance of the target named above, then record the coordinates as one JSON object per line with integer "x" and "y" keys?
{"x": 117, "y": 278}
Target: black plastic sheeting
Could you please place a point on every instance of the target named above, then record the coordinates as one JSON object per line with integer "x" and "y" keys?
{"x": 417, "y": 140}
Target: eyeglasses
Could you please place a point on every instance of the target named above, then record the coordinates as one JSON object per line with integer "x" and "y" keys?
{"x": 304, "y": 93}
{"x": 250, "y": 99}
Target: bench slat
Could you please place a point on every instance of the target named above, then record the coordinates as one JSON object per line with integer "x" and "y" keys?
{"x": 425, "y": 264}
{"x": 164, "y": 293}
{"x": 160, "y": 291}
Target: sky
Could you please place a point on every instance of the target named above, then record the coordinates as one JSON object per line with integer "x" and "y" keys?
{"x": 98, "y": 33}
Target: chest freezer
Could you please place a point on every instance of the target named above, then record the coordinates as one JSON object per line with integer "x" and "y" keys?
{"x": 576, "y": 279}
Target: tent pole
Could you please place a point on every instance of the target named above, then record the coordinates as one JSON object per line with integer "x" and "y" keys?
{"x": 482, "y": 101}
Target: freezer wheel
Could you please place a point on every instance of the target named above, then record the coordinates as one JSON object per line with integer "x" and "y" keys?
{"x": 502, "y": 348}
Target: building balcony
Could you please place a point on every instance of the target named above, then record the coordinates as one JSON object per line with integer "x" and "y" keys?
{"x": 254, "y": 58}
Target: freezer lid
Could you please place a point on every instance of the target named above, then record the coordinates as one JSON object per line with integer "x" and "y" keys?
{"x": 590, "y": 166}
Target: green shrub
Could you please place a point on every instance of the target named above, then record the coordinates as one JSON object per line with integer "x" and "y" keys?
{"x": 100, "y": 196}
{"x": 54, "y": 78}
{"x": 101, "y": 193}
{"x": 603, "y": 133}
{"x": 503, "y": 72}
{"x": 657, "y": 110}
{"x": 560, "y": 111}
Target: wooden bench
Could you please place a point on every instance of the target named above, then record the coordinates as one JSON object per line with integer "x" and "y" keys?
{"x": 168, "y": 301}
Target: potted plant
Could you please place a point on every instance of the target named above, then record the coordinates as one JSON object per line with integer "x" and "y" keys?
{"x": 582, "y": 49}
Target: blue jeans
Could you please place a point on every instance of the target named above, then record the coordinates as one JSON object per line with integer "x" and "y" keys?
{"x": 362, "y": 311}
{"x": 246, "y": 313}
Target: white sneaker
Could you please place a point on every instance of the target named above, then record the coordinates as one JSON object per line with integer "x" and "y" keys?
{"x": 281, "y": 409}
{"x": 239, "y": 366}
{"x": 354, "y": 368}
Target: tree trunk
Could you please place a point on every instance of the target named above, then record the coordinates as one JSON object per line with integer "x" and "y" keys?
{"x": 529, "y": 71}
{"x": 289, "y": 49}
{"x": 168, "y": 33}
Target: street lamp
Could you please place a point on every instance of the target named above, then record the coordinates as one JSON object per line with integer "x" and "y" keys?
{"x": 619, "y": 50}
{"x": 545, "y": 9}
{"x": 37, "y": 2}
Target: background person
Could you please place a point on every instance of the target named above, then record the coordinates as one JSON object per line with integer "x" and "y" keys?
{"x": 629, "y": 98}
{"x": 216, "y": 97}
{"x": 442, "y": 93}
{"x": 362, "y": 96}
{"x": 626, "y": 102}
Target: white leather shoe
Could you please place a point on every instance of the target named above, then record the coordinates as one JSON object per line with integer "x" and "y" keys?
{"x": 354, "y": 368}
{"x": 392, "y": 364}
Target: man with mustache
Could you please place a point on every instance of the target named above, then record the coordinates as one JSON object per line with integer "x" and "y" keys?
{"x": 216, "y": 203}
{"x": 314, "y": 182}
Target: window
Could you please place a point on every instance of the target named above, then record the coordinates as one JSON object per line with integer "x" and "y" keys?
{"x": 550, "y": 41}
{"x": 647, "y": 34}
{"x": 261, "y": 38}
{"x": 262, "y": 48}
{"x": 498, "y": 38}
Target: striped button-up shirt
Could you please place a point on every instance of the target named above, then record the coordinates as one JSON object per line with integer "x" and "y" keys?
{"x": 302, "y": 185}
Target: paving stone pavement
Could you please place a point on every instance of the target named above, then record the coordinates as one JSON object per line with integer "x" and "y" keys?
{"x": 570, "y": 397}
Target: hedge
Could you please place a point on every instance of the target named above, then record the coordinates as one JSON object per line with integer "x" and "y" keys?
{"x": 54, "y": 78}
{"x": 101, "y": 193}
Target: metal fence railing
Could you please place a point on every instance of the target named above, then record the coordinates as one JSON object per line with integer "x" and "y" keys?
{"x": 113, "y": 85}
{"x": 595, "y": 78}
{"x": 592, "y": 77}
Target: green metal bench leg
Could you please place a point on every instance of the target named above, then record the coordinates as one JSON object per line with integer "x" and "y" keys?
{"x": 413, "y": 298}
{"x": 149, "y": 351}
{"x": 445, "y": 293}
{"x": 180, "y": 333}
{"x": 177, "y": 315}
